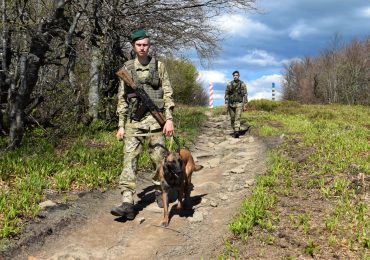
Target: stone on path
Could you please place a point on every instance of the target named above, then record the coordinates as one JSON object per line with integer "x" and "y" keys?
{"x": 47, "y": 204}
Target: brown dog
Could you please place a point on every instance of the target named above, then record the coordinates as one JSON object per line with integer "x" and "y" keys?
{"x": 175, "y": 172}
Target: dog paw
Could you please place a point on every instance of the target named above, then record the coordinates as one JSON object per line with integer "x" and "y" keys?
{"x": 164, "y": 224}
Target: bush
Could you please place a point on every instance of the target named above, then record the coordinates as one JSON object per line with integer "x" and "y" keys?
{"x": 263, "y": 104}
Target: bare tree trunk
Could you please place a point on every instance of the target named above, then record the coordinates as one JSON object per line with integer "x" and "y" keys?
{"x": 3, "y": 68}
{"x": 94, "y": 95}
{"x": 26, "y": 74}
{"x": 17, "y": 104}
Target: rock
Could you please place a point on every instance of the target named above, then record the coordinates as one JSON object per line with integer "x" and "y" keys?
{"x": 250, "y": 139}
{"x": 140, "y": 220}
{"x": 225, "y": 174}
{"x": 213, "y": 203}
{"x": 47, "y": 204}
{"x": 223, "y": 197}
{"x": 248, "y": 183}
{"x": 238, "y": 170}
{"x": 197, "y": 217}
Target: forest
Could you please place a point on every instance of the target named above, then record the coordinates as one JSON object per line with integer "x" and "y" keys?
{"x": 340, "y": 74}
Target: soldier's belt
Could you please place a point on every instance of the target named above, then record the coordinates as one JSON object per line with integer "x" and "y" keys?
{"x": 149, "y": 133}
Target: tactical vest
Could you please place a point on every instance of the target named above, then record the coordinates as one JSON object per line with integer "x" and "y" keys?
{"x": 151, "y": 84}
{"x": 236, "y": 93}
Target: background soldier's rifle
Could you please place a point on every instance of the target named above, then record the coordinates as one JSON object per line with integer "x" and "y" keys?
{"x": 143, "y": 96}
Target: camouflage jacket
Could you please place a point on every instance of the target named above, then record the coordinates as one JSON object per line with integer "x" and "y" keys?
{"x": 147, "y": 122}
{"x": 236, "y": 92}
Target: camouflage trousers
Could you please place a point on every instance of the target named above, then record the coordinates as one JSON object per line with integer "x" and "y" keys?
{"x": 134, "y": 146}
{"x": 235, "y": 111}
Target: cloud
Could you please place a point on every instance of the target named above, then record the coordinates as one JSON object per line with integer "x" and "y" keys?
{"x": 264, "y": 82}
{"x": 237, "y": 24}
{"x": 261, "y": 58}
{"x": 365, "y": 12}
{"x": 218, "y": 95}
{"x": 261, "y": 95}
{"x": 207, "y": 76}
{"x": 301, "y": 30}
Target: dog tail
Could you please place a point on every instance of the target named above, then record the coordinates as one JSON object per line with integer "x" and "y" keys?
{"x": 198, "y": 167}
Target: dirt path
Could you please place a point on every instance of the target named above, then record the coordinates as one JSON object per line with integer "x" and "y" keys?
{"x": 230, "y": 168}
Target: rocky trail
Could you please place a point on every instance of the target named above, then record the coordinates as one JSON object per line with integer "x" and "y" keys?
{"x": 85, "y": 229}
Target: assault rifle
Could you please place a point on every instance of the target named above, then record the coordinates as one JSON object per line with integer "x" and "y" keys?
{"x": 147, "y": 103}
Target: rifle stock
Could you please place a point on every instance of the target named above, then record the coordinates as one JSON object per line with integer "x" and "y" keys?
{"x": 145, "y": 99}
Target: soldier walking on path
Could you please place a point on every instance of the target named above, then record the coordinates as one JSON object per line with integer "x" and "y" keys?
{"x": 236, "y": 96}
{"x": 137, "y": 127}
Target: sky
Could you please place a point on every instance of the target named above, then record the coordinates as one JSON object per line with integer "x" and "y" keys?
{"x": 258, "y": 44}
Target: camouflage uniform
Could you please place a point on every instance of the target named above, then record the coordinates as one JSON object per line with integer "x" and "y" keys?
{"x": 235, "y": 97}
{"x": 147, "y": 126}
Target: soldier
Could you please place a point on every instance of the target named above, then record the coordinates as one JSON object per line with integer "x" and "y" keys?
{"x": 150, "y": 74}
{"x": 235, "y": 98}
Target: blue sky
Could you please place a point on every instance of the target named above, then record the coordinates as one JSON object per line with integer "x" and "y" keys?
{"x": 259, "y": 44}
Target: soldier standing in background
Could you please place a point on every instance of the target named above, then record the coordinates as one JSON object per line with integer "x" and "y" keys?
{"x": 151, "y": 75}
{"x": 236, "y": 96}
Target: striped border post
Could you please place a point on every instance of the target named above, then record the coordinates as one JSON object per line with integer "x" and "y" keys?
{"x": 211, "y": 95}
{"x": 273, "y": 91}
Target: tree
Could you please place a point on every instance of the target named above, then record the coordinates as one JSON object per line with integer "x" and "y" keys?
{"x": 183, "y": 75}
{"x": 339, "y": 75}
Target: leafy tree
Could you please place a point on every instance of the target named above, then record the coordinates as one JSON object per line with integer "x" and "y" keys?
{"x": 183, "y": 75}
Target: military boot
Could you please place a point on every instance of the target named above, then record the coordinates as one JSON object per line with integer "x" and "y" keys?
{"x": 236, "y": 134}
{"x": 124, "y": 210}
{"x": 158, "y": 198}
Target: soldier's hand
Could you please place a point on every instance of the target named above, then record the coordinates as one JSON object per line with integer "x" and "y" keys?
{"x": 168, "y": 128}
{"x": 120, "y": 133}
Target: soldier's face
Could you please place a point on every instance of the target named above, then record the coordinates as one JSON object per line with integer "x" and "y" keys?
{"x": 236, "y": 76}
{"x": 141, "y": 47}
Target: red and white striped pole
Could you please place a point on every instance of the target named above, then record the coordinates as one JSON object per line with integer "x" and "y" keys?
{"x": 211, "y": 95}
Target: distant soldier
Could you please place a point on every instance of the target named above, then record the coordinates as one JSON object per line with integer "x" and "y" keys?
{"x": 151, "y": 75}
{"x": 236, "y": 96}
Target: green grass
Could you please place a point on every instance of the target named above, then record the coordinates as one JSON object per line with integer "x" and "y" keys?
{"x": 90, "y": 158}
{"x": 325, "y": 151}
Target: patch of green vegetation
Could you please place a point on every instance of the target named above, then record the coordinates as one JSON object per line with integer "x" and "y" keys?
{"x": 311, "y": 248}
{"x": 325, "y": 151}
{"x": 84, "y": 159}
{"x": 263, "y": 104}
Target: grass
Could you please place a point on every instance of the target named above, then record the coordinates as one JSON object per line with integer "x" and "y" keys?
{"x": 90, "y": 158}
{"x": 323, "y": 163}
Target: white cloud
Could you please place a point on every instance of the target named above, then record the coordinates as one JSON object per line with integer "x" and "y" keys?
{"x": 218, "y": 95}
{"x": 300, "y": 30}
{"x": 239, "y": 24}
{"x": 261, "y": 95}
{"x": 264, "y": 82}
{"x": 261, "y": 58}
{"x": 365, "y": 12}
{"x": 218, "y": 98}
{"x": 207, "y": 76}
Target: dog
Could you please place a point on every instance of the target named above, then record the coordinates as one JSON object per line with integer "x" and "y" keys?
{"x": 175, "y": 172}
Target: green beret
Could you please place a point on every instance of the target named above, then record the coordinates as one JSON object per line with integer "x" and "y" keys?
{"x": 138, "y": 35}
